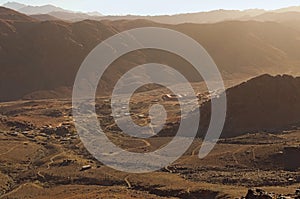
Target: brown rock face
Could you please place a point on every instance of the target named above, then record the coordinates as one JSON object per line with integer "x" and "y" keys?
{"x": 290, "y": 154}
{"x": 265, "y": 103}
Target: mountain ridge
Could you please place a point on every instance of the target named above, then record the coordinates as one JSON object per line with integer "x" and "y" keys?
{"x": 212, "y": 16}
{"x": 262, "y": 104}
{"x": 46, "y": 9}
{"x": 56, "y": 49}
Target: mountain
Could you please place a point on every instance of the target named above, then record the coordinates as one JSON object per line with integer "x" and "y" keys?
{"x": 45, "y": 55}
{"x": 50, "y": 10}
{"x": 200, "y": 17}
{"x": 71, "y": 16}
{"x": 95, "y": 13}
{"x": 262, "y": 104}
{"x": 44, "y": 17}
{"x": 14, "y": 5}
{"x": 276, "y": 17}
{"x": 33, "y": 10}
{"x": 206, "y": 17}
{"x": 284, "y": 14}
{"x": 11, "y": 15}
{"x": 288, "y": 9}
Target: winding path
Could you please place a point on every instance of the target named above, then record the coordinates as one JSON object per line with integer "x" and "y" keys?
{"x": 10, "y": 150}
{"x": 52, "y": 160}
{"x": 49, "y": 164}
{"x": 127, "y": 182}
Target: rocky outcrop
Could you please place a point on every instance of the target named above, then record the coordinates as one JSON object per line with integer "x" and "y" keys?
{"x": 257, "y": 194}
{"x": 263, "y": 104}
{"x": 261, "y": 194}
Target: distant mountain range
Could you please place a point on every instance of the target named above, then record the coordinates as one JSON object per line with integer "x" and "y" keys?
{"x": 32, "y": 10}
{"x": 45, "y": 55}
{"x": 44, "y": 12}
{"x": 50, "y": 10}
{"x": 40, "y": 55}
{"x": 14, "y": 5}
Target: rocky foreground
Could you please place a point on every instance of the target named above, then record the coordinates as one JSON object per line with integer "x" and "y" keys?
{"x": 261, "y": 194}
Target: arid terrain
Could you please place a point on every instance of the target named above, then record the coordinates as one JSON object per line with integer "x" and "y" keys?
{"x": 43, "y": 157}
{"x": 257, "y": 156}
{"x": 44, "y": 56}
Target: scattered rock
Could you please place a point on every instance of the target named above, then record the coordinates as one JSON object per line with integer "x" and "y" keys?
{"x": 257, "y": 194}
{"x": 20, "y": 125}
{"x": 53, "y": 113}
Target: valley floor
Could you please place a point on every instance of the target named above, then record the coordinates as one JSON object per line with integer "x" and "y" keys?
{"x": 41, "y": 156}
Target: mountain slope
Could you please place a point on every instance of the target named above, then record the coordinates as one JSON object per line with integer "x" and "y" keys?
{"x": 265, "y": 103}
{"x": 54, "y": 11}
{"x": 288, "y": 9}
{"x": 32, "y": 10}
{"x": 11, "y": 15}
{"x": 43, "y": 56}
{"x": 70, "y": 16}
{"x": 278, "y": 17}
{"x": 14, "y": 5}
{"x": 44, "y": 17}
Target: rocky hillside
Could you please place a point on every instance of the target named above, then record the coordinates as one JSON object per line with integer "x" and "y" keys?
{"x": 11, "y": 15}
{"x": 45, "y": 56}
{"x": 265, "y": 103}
